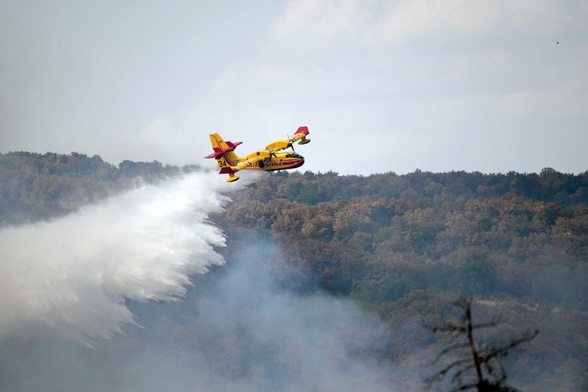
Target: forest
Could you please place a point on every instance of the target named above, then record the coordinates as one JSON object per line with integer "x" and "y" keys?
{"x": 400, "y": 247}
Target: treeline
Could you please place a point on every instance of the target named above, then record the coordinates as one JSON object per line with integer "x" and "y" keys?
{"x": 40, "y": 186}
{"x": 380, "y": 237}
{"x": 311, "y": 188}
{"x": 374, "y": 238}
{"x": 401, "y": 246}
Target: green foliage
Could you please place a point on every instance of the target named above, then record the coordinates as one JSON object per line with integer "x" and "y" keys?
{"x": 37, "y": 186}
{"x": 396, "y": 243}
{"x": 380, "y": 237}
{"x": 477, "y": 276}
{"x": 393, "y": 243}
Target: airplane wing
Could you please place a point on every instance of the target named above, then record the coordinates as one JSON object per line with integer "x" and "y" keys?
{"x": 258, "y": 156}
{"x": 220, "y": 146}
{"x": 279, "y": 145}
{"x": 299, "y": 136}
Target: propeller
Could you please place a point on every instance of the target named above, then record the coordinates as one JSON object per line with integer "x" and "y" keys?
{"x": 272, "y": 154}
{"x": 291, "y": 142}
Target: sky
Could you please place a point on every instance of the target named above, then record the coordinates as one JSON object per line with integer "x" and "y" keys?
{"x": 384, "y": 86}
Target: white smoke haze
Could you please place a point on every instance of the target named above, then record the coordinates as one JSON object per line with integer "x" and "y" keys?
{"x": 92, "y": 277}
{"x": 240, "y": 328}
{"x": 71, "y": 276}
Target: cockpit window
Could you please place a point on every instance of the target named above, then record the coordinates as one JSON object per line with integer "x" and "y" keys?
{"x": 294, "y": 155}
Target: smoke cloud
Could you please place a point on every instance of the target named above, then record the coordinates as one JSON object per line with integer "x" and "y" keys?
{"x": 254, "y": 324}
{"x": 71, "y": 277}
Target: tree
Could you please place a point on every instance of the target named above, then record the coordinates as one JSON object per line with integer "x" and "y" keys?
{"x": 474, "y": 366}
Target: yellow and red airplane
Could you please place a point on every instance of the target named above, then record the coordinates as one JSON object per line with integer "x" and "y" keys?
{"x": 272, "y": 158}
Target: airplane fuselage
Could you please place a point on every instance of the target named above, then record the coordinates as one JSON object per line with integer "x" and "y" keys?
{"x": 279, "y": 161}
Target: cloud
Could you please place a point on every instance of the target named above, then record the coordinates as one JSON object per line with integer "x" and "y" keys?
{"x": 384, "y": 22}
{"x": 461, "y": 20}
{"x": 324, "y": 19}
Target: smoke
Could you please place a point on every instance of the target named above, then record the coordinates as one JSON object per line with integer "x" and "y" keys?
{"x": 71, "y": 277}
{"x": 254, "y": 324}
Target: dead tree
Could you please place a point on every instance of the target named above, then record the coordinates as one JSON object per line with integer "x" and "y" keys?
{"x": 476, "y": 366}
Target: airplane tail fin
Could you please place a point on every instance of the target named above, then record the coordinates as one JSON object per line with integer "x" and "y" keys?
{"x": 302, "y": 130}
{"x": 301, "y": 134}
{"x": 223, "y": 150}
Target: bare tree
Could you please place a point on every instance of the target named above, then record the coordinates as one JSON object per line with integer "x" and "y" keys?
{"x": 474, "y": 366}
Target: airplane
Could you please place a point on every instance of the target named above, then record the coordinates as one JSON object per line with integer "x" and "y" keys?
{"x": 270, "y": 159}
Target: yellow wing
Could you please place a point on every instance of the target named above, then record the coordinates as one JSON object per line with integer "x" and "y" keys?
{"x": 299, "y": 136}
{"x": 279, "y": 145}
{"x": 258, "y": 156}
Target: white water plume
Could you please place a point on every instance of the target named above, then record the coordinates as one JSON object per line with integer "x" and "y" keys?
{"x": 70, "y": 277}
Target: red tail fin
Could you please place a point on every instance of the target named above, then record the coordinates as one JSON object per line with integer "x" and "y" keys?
{"x": 302, "y": 130}
{"x": 220, "y": 146}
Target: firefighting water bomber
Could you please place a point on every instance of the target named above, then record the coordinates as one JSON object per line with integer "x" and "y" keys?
{"x": 276, "y": 155}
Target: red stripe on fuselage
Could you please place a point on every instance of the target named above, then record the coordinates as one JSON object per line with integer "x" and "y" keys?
{"x": 278, "y": 165}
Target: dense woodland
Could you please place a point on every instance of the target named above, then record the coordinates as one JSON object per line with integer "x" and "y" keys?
{"x": 37, "y": 186}
{"x": 401, "y": 246}
{"x": 380, "y": 237}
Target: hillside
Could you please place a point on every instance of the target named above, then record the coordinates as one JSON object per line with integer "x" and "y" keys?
{"x": 402, "y": 247}
{"x": 377, "y": 238}
{"x": 42, "y": 186}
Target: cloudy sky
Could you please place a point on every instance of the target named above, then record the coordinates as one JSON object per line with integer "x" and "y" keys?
{"x": 383, "y": 85}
